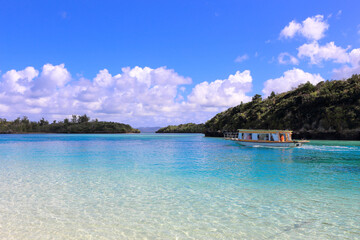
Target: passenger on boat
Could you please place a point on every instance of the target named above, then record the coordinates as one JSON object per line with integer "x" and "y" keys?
{"x": 282, "y": 138}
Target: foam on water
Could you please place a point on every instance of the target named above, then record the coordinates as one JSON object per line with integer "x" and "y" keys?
{"x": 331, "y": 149}
{"x": 174, "y": 187}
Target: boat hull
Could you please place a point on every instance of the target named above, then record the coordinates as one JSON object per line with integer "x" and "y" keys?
{"x": 270, "y": 144}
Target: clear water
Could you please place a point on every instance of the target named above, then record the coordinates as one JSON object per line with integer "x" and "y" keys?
{"x": 172, "y": 186}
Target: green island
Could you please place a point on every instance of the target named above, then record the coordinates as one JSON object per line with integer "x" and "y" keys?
{"x": 183, "y": 128}
{"x": 77, "y": 124}
{"x": 328, "y": 110}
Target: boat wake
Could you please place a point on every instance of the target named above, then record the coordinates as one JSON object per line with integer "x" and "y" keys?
{"x": 324, "y": 148}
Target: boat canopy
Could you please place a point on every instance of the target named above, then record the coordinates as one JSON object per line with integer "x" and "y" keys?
{"x": 262, "y": 131}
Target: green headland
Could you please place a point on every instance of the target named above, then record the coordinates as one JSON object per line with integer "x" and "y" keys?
{"x": 328, "y": 110}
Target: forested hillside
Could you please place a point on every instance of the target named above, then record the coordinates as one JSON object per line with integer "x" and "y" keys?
{"x": 329, "y": 110}
{"x": 78, "y": 124}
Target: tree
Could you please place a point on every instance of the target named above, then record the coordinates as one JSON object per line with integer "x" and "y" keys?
{"x": 306, "y": 88}
{"x": 43, "y": 122}
{"x": 256, "y": 97}
{"x": 17, "y": 121}
{"x": 83, "y": 119}
{"x": 25, "y": 120}
{"x": 74, "y": 119}
{"x": 272, "y": 95}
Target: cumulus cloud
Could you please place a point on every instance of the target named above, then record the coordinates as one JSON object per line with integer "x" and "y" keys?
{"x": 103, "y": 78}
{"x": 290, "y": 30}
{"x": 140, "y": 96}
{"x": 51, "y": 77}
{"x": 330, "y": 52}
{"x": 135, "y": 92}
{"x": 318, "y": 53}
{"x": 353, "y": 67}
{"x": 290, "y": 79}
{"x": 312, "y": 28}
{"x": 286, "y": 58}
{"x": 18, "y": 81}
{"x": 223, "y": 93}
{"x": 242, "y": 58}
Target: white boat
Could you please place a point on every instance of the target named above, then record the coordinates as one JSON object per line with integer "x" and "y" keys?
{"x": 265, "y": 138}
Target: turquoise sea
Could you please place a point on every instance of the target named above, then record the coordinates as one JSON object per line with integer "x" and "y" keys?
{"x": 175, "y": 186}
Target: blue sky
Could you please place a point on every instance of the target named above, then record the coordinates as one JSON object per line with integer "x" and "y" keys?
{"x": 66, "y": 45}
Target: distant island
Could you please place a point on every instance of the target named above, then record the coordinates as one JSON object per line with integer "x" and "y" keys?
{"x": 77, "y": 124}
{"x": 328, "y": 110}
{"x": 148, "y": 129}
{"x": 183, "y": 128}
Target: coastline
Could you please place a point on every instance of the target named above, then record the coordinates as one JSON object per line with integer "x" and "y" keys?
{"x": 308, "y": 135}
{"x": 70, "y": 133}
{"x": 312, "y": 135}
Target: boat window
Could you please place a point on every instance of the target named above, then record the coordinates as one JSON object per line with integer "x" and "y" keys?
{"x": 249, "y": 136}
{"x": 274, "y": 136}
{"x": 288, "y": 136}
{"x": 263, "y": 136}
{"x": 255, "y": 136}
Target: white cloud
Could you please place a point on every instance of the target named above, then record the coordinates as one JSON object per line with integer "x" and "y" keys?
{"x": 355, "y": 57}
{"x": 312, "y": 28}
{"x": 290, "y": 30}
{"x": 286, "y": 58}
{"x": 103, "y": 78}
{"x": 338, "y": 14}
{"x": 353, "y": 68}
{"x": 18, "y": 81}
{"x": 242, "y": 58}
{"x": 135, "y": 92}
{"x": 223, "y": 93}
{"x": 139, "y": 96}
{"x": 327, "y": 52}
{"x": 51, "y": 77}
{"x": 3, "y": 108}
{"x": 290, "y": 79}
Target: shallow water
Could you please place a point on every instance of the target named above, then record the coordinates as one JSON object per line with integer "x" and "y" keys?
{"x": 173, "y": 186}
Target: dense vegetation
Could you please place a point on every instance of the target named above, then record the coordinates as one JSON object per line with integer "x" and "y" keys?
{"x": 78, "y": 124}
{"x": 329, "y": 110}
{"x": 183, "y": 128}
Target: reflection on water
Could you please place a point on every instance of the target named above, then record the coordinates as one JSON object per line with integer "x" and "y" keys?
{"x": 175, "y": 186}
